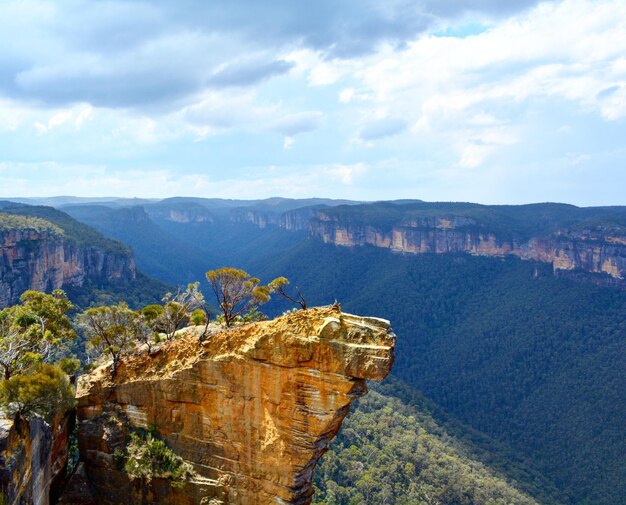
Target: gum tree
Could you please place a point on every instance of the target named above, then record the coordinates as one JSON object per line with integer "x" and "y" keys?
{"x": 31, "y": 331}
{"x": 113, "y": 329}
{"x": 278, "y": 286}
{"x": 236, "y": 292}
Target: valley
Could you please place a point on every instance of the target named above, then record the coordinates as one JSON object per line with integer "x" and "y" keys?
{"x": 510, "y": 322}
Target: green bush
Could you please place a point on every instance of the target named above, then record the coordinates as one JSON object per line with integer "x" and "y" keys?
{"x": 147, "y": 458}
{"x": 44, "y": 391}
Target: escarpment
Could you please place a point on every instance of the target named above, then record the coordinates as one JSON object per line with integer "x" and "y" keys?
{"x": 44, "y": 260}
{"x": 252, "y": 409}
{"x": 594, "y": 249}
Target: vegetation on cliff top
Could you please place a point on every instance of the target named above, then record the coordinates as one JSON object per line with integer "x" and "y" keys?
{"x": 11, "y": 222}
{"x": 521, "y": 221}
{"x": 32, "y": 336}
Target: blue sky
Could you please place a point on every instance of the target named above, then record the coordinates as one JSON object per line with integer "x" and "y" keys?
{"x": 472, "y": 100}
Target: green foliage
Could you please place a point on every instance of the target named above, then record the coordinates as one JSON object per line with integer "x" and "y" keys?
{"x": 253, "y": 316}
{"x": 236, "y": 292}
{"x": 69, "y": 365}
{"x": 16, "y": 222}
{"x": 177, "y": 309}
{"x": 198, "y": 317}
{"x": 388, "y": 452}
{"x": 146, "y": 458}
{"x": 33, "y": 330}
{"x": 114, "y": 329}
{"x": 44, "y": 391}
{"x": 278, "y": 286}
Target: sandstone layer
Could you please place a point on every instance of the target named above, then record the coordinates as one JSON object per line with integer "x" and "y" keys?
{"x": 33, "y": 457}
{"x": 252, "y": 409}
{"x": 598, "y": 249}
{"x": 44, "y": 260}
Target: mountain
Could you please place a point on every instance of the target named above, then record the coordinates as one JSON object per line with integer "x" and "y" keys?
{"x": 45, "y": 249}
{"x": 511, "y": 318}
{"x": 571, "y": 239}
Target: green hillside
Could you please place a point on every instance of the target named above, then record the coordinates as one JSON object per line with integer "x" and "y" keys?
{"x": 391, "y": 449}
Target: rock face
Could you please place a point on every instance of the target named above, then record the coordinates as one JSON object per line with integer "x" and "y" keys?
{"x": 33, "y": 457}
{"x": 45, "y": 260}
{"x": 292, "y": 220}
{"x": 252, "y": 409}
{"x": 598, "y": 249}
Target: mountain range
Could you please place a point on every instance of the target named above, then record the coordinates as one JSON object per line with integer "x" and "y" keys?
{"x": 511, "y": 320}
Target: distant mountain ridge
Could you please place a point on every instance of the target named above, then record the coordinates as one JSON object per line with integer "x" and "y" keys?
{"x": 587, "y": 243}
{"x": 571, "y": 239}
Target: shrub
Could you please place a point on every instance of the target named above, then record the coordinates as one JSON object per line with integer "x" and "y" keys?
{"x": 44, "y": 392}
{"x": 147, "y": 458}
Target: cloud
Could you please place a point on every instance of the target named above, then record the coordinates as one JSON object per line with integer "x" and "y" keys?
{"x": 346, "y": 174}
{"x": 382, "y": 128}
{"x": 124, "y": 53}
{"x": 288, "y": 143}
{"x": 300, "y": 122}
{"x": 245, "y": 74}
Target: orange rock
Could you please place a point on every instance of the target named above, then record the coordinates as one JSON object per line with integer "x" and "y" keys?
{"x": 252, "y": 408}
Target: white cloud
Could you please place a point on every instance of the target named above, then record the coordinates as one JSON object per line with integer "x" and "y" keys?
{"x": 346, "y": 174}
{"x": 346, "y": 95}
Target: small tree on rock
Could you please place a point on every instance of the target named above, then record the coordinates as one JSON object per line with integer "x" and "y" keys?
{"x": 177, "y": 309}
{"x": 113, "y": 329}
{"x": 236, "y": 292}
{"x": 278, "y": 286}
{"x": 43, "y": 391}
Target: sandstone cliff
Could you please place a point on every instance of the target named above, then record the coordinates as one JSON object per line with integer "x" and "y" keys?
{"x": 45, "y": 260}
{"x": 33, "y": 456}
{"x": 597, "y": 249}
{"x": 252, "y": 409}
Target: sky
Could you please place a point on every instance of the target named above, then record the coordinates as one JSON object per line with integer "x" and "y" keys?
{"x": 466, "y": 100}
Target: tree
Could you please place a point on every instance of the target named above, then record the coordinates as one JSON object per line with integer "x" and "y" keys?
{"x": 114, "y": 329}
{"x": 236, "y": 292}
{"x": 278, "y": 286}
{"x": 177, "y": 309}
{"x": 31, "y": 331}
{"x": 45, "y": 390}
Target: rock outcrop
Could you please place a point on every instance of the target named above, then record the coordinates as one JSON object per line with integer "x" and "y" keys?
{"x": 252, "y": 409}
{"x": 45, "y": 260}
{"x": 595, "y": 249}
{"x": 33, "y": 458}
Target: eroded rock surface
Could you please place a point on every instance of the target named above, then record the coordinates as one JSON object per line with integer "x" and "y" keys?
{"x": 252, "y": 408}
{"x": 596, "y": 249}
{"x": 33, "y": 457}
{"x": 44, "y": 260}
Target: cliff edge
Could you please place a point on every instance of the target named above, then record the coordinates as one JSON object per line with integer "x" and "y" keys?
{"x": 252, "y": 409}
